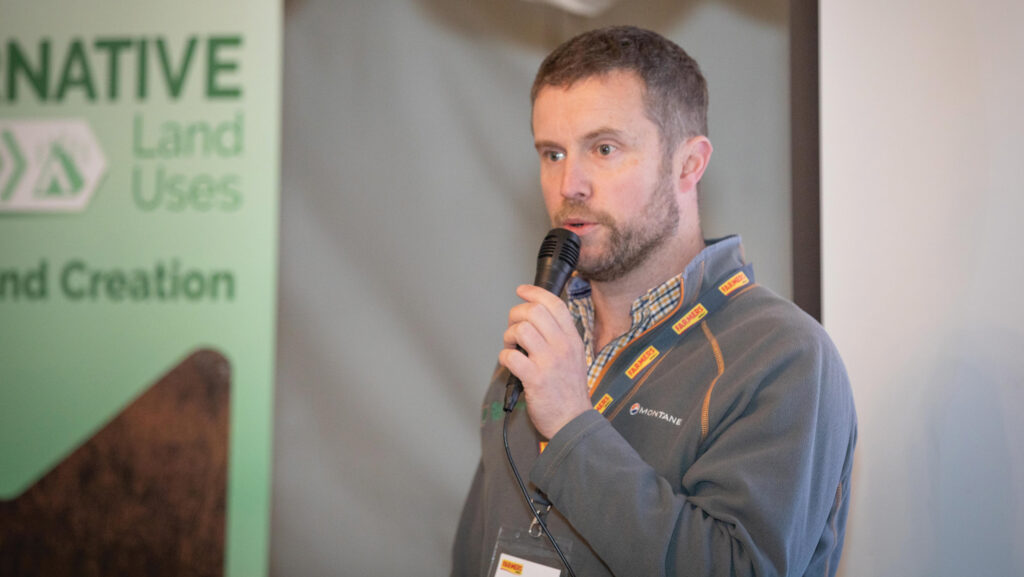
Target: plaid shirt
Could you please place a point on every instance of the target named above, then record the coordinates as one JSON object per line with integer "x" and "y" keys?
{"x": 645, "y": 312}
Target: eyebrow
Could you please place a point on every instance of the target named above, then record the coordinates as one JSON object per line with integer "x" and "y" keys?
{"x": 539, "y": 144}
{"x": 605, "y": 132}
{"x": 598, "y": 134}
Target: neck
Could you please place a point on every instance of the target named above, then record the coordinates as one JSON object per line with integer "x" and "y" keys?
{"x": 614, "y": 299}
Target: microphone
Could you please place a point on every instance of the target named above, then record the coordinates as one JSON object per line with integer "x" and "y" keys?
{"x": 555, "y": 263}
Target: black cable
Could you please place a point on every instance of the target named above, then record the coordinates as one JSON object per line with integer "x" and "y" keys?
{"x": 529, "y": 502}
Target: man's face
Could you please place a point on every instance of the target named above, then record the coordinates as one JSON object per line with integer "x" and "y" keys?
{"x": 603, "y": 173}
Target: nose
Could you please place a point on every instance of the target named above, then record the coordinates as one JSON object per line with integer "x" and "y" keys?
{"x": 575, "y": 183}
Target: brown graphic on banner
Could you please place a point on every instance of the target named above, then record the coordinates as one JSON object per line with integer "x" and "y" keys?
{"x": 146, "y": 495}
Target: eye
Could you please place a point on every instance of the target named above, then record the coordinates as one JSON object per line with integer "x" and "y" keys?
{"x": 554, "y": 155}
{"x": 605, "y": 149}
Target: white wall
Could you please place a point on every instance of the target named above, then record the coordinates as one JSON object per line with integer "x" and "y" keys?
{"x": 922, "y": 182}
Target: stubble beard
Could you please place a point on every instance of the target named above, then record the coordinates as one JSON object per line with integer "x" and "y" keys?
{"x": 629, "y": 244}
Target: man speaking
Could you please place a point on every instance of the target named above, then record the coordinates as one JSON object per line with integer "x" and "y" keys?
{"x": 679, "y": 418}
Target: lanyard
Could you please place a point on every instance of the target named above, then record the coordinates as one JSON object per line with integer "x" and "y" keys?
{"x": 629, "y": 367}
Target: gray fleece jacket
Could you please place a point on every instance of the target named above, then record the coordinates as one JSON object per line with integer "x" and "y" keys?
{"x": 732, "y": 457}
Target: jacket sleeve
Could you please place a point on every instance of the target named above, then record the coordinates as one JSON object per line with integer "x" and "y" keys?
{"x": 756, "y": 500}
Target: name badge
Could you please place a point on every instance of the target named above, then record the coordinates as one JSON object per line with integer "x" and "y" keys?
{"x": 511, "y": 565}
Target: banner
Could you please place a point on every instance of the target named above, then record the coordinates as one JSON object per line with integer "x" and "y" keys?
{"x": 138, "y": 227}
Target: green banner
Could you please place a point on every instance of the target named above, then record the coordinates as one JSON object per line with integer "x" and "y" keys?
{"x": 138, "y": 225}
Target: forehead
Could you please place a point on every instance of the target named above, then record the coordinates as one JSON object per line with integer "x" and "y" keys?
{"x": 614, "y": 99}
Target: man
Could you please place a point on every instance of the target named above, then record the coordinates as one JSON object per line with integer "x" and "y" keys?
{"x": 680, "y": 419}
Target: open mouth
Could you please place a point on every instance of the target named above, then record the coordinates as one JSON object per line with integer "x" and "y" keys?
{"x": 577, "y": 226}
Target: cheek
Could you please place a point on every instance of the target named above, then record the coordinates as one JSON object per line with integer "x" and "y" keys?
{"x": 637, "y": 184}
{"x": 548, "y": 180}
{"x": 552, "y": 200}
{"x": 551, "y": 186}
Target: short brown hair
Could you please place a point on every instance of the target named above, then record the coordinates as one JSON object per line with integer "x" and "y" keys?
{"x": 675, "y": 92}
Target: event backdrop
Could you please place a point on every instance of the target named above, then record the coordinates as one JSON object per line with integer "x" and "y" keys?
{"x": 138, "y": 228}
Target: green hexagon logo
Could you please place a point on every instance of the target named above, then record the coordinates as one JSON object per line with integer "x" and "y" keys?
{"x": 48, "y": 165}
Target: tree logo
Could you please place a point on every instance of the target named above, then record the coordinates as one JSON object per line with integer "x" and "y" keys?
{"x": 48, "y": 165}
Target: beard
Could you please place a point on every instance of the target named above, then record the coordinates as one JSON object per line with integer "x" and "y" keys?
{"x": 629, "y": 243}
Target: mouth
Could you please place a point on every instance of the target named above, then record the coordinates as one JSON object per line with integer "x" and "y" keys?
{"x": 577, "y": 225}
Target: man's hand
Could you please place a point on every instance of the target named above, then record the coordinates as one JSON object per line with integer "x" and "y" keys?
{"x": 554, "y": 370}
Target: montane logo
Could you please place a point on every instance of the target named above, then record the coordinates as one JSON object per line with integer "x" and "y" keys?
{"x": 638, "y": 409}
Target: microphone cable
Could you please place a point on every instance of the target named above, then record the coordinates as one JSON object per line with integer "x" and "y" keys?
{"x": 526, "y": 495}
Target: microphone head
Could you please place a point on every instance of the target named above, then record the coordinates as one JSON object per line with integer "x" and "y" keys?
{"x": 556, "y": 259}
{"x": 562, "y": 244}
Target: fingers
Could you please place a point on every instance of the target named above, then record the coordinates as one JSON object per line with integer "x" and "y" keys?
{"x": 552, "y": 303}
{"x": 523, "y": 334}
{"x": 530, "y": 324}
{"x": 543, "y": 328}
{"x": 517, "y": 363}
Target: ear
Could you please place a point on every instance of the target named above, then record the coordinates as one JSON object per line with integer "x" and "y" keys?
{"x": 691, "y": 160}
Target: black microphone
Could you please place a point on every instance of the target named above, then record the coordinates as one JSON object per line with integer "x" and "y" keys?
{"x": 555, "y": 262}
